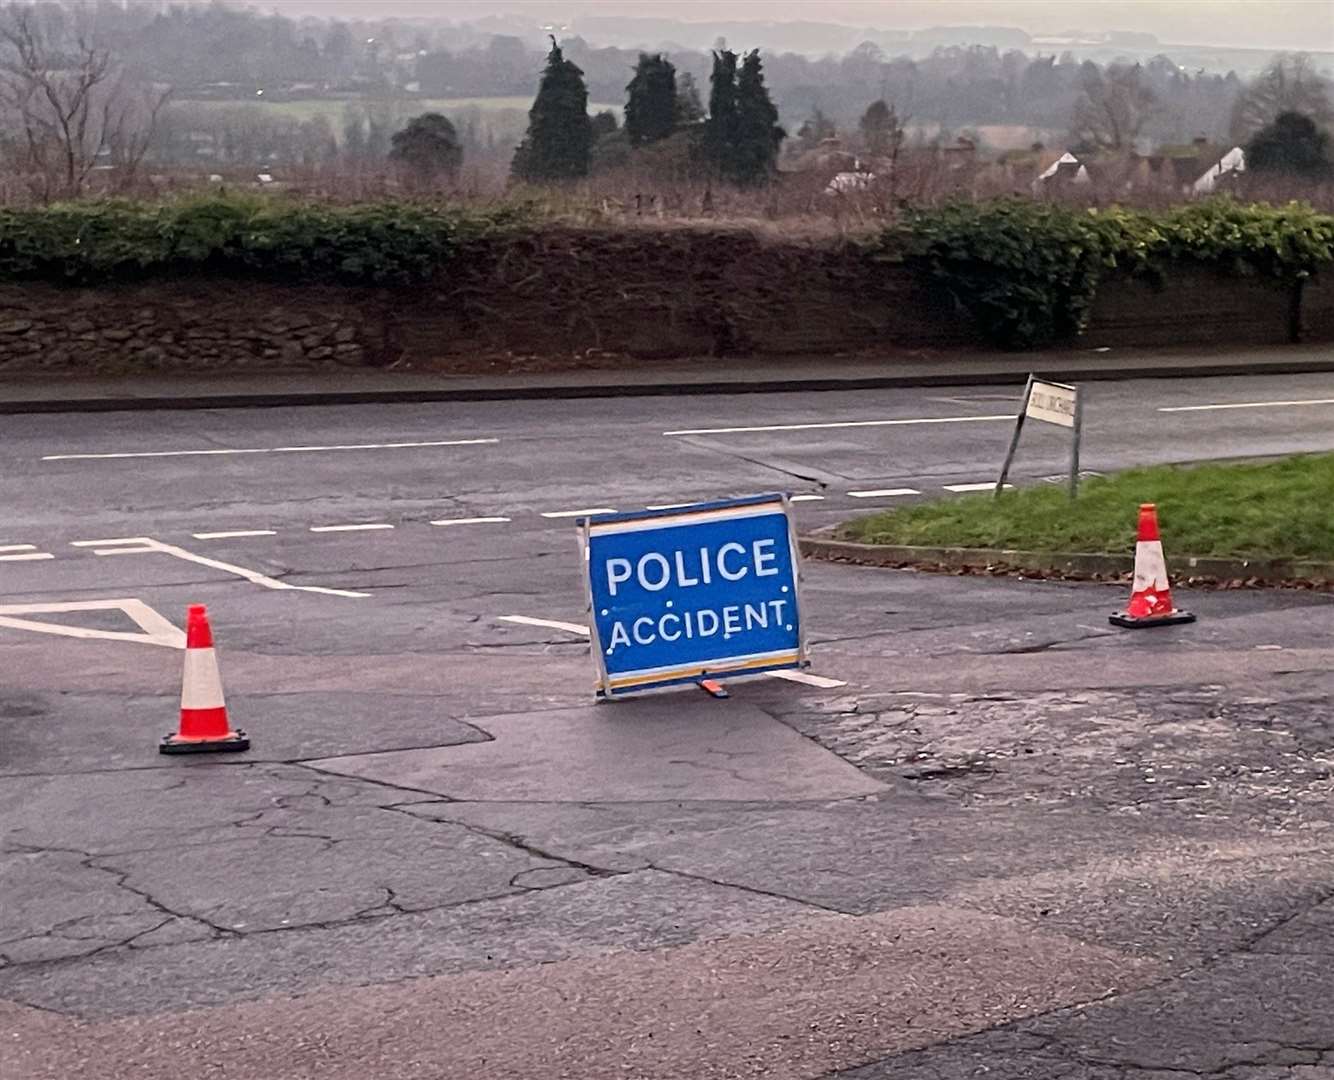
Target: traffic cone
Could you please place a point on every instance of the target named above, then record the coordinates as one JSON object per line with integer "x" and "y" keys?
{"x": 204, "y": 725}
{"x": 1151, "y": 594}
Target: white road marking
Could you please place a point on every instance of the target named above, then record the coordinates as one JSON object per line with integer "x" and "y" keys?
{"x": 109, "y": 540}
{"x": 472, "y": 521}
{"x": 524, "y": 620}
{"x": 574, "y": 628}
{"x": 156, "y": 629}
{"x": 846, "y": 424}
{"x": 18, "y": 547}
{"x": 268, "y": 450}
{"x": 808, "y": 679}
{"x": 1248, "y": 405}
{"x": 883, "y": 492}
{"x": 990, "y": 485}
{"x": 669, "y": 506}
{"x": 350, "y": 528}
{"x": 234, "y": 534}
{"x": 142, "y": 545}
{"x": 578, "y": 513}
{"x": 28, "y": 557}
{"x": 806, "y": 498}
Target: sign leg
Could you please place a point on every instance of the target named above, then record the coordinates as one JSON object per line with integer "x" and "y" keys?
{"x": 1076, "y": 435}
{"x": 1014, "y": 439}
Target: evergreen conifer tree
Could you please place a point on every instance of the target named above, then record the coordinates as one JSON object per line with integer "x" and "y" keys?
{"x": 721, "y": 128}
{"x": 758, "y": 133}
{"x": 560, "y": 134}
{"x": 650, "y": 110}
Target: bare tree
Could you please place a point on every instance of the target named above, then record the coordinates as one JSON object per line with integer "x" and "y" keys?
{"x": 1113, "y": 106}
{"x": 67, "y": 105}
{"x": 1290, "y": 83}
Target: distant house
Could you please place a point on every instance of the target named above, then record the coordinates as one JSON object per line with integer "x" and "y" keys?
{"x": 1226, "y": 169}
{"x": 829, "y": 157}
{"x": 846, "y": 182}
{"x": 1065, "y": 170}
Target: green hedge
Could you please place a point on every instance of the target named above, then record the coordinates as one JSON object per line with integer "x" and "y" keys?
{"x": 1027, "y": 272}
{"x": 371, "y": 244}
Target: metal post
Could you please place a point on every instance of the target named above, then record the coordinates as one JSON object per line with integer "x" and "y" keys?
{"x": 1076, "y": 434}
{"x": 1014, "y": 439}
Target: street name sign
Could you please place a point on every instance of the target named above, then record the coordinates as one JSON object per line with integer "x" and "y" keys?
{"x": 1051, "y": 403}
{"x": 708, "y": 591}
{"x": 1054, "y": 403}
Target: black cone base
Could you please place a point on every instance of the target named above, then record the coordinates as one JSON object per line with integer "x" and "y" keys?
{"x": 232, "y": 742}
{"x": 1132, "y": 623}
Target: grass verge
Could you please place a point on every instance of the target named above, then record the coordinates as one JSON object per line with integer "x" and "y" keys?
{"x": 1268, "y": 510}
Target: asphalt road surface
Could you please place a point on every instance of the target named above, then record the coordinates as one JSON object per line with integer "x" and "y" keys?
{"x": 993, "y": 837}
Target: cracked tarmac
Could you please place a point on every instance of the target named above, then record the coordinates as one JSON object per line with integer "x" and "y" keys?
{"x": 1015, "y": 845}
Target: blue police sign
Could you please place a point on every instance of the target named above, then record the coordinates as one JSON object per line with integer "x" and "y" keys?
{"x": 705, "y": 591}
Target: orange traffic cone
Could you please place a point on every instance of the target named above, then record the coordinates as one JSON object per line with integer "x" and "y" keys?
{"x": 204, "y": 725}
{"x": 1151, "y": 594}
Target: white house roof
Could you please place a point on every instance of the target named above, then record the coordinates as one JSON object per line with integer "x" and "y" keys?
{"x": 850, "y": 181}
{"x": 1065, "y": 159}
{"x": 1234, "y": 161}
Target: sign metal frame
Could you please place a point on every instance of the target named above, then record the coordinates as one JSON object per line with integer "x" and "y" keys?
{"x": 1076, "y": 428}
{"x": 705, "y": 671}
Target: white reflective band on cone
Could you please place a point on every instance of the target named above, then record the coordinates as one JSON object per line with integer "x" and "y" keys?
{"x": 1150, "y": 566}
{"x": 202, "y": 685}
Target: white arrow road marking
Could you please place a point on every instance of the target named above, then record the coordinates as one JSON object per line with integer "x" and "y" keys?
{"x": 143, "y": 545}
{"x": 574, "y": 628}
{"x": 156, "y": 629}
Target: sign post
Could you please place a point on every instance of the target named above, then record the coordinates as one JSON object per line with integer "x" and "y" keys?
{"x": 1014, "y": 439}
{"x": 693, "y": 595}
{"x": 1051, "y": 403}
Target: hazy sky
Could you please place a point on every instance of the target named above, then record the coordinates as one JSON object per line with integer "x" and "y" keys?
{"x": 1267, "y": 24}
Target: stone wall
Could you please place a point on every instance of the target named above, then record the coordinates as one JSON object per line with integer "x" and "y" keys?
{"x": 1193, "y": 306}
{"x": 574, "y": 295}
{"x": 187, "y": 326}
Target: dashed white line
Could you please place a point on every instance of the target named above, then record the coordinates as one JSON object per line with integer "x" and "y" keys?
{"x": 235, "y": 534}
{"x": 18, "y": 547}
{"x": 110, "y": 540}
{"x": 1247, "y": 405}
{"x": 808, "y": 679}
{"x": 350, "y": 528}
{"x": 524, "y": 620}
{"x": 879, "y": 493}
{"x": 578, "y": 513}
{"x": 223, "y": 452}
{"x": 30, "y": 556}
{"x": 806, "y": 498}
{"x": 669, "y": 506}
{"x": 846, "y": 424}
{"x": 472, "y": 521}
{"x": 960, "y": 489}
